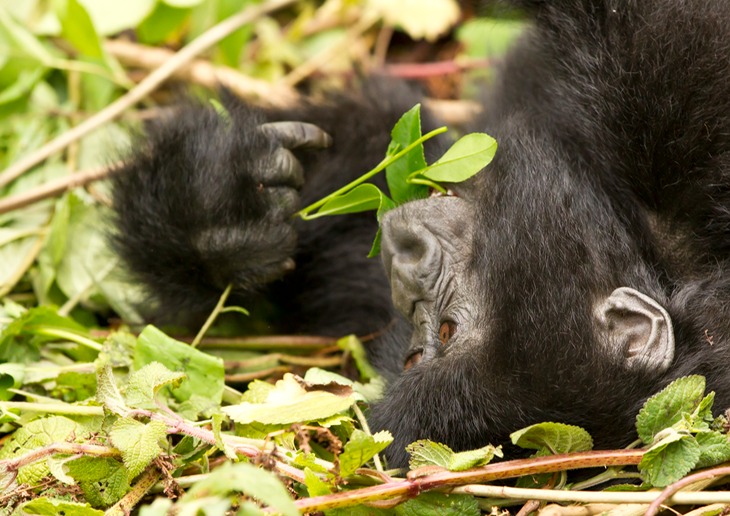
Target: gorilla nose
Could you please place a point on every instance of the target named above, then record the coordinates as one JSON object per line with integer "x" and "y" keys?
{"x": 411, "y": 255}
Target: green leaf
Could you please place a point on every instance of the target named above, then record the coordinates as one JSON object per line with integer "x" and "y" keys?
{"x": 104, "y": 481}
{"x": 77, "y": 28}
{"x": 291, "y": 402}
{"x": 144, "y": 384}
{"x": 361, "y": 448}
{"x": 107, "y": 392}
{"x": 714, "y": 449}
{"x": 353, "y": 345}
{"x": 161, "y": 23}
{"x": 553, "y": 437}
{"x": 205, "y": 373}
{"x": 138, "y": 442}
{"x": 671, "y": 458}
{"x": 52, "y": 507}
{"x": 464, "y": 159}
{"x": 439, "y": 504}
{"x": 315, "y": 485}
{"x": 473, "y": 458}
{"x": 362, "y": 198}
{"x": 678, "y": 399}
{"x": 406, "y": 131}
{"x": 429, "y": 453}
{"x": 112, "y": 16}
{"x": 250, "y": 480}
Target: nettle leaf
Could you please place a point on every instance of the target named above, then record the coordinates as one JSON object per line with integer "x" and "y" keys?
{"x": 681, "y": 397}
{"x": 293, "y": 401}
{"x": 406, "y": 131}
{"x": 553, "y": 437}
{"x": 103, "y": 480}
{"x": 51, "y": 507}
{"x": 671, "y": 458}
{"x": 107, "y": 392}
{"x": 474, "y": 458}
{"x": 439, "y": 504}
{"x": 258, "y": 483}
{"x": 428, "y": 453}
{"x": 464, "y": 159}
{"x": 138, "y": 442}
{"x": 144, "y": 384}
{"x": 714, "y": 449}
{"x": 361, "y": 448}
{"x": 315, "y": 485}
{"x": 205, "y": 373}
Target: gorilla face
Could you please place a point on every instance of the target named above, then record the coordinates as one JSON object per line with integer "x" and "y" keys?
{"x": 525, "y": 297}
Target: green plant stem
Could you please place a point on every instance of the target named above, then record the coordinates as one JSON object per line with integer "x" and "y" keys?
{"x": 146, "y": 482}
{"x": 366, "y": 428}
{"x": 609, "y": 474}
{"x": 304, "y": 213}
{"x": 212, "y": 317}
{"x": 70, "y": 336}
{"x": 53, "y": 408}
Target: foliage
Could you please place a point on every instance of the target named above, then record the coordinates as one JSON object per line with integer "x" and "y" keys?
{"x": 96, "y": 417}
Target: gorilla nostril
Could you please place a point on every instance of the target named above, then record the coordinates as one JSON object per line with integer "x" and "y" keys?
{"x": 412, "y": 359}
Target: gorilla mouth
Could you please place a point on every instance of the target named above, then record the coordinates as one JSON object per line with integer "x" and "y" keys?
{"x": 432, "y": 192}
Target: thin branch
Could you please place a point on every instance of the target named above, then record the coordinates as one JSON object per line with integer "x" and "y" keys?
{"x": 55, "y": 187}
{"x": 212, "y": 317}
{"x": 130, "y": 500}
{"x": 670, "y": 492}
{"x": 144, "y": 88}
{"x": 204, "y": 73}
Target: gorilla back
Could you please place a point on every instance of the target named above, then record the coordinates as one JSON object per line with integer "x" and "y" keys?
{"x": 586, "y": 268}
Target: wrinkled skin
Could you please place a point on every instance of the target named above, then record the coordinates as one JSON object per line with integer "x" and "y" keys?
{"x": 581, "y": 272}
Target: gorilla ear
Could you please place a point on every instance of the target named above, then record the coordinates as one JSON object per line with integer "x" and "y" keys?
{"x": 638, "y": 328}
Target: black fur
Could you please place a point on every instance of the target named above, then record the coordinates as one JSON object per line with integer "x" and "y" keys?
{"x": 613, "y": 123}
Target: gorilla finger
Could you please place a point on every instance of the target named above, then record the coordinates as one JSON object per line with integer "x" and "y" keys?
{"x": 283, "y": 169}
{"x": 282, "y": 202}
{"x": 293, "y": 135}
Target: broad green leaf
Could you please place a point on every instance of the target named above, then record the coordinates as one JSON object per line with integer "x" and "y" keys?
{"x": 353, "y": 345}
{"x": 714, "y": 449}
{"x": 103, "y": 480}
{"x": 439, "y": 504}
{"x": 429, "y": 453}
{"x": 406, "y": 131}
{"x": 144, "y": 384}
{"x": 670, "y": 459}
{"x": 553, "y": 437}
{"x": 250, "y": 480}
{"x": 473, "y": 458}
{"x": 678, "y": 399}
{"x": 107, "y": 392}
{"x": 362, "y": 198}
{"x": 138, "y": 442}
{"x": 204, "y": 372}
{"x": 77, "y": 27}
{"x": 182, "y": 3}
{"x": 291, "y": 402}
{"x": 161, "y": 23}
{"x": 465, "y": 158}
{"x": 315, "y": 485}
{"x": 112, "y": 16}
{"x": 361, "y": 448}
{"x": 45, "y": 506}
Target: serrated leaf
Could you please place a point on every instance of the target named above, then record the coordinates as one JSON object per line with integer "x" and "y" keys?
{"x": 138, "y": 442}
{"x": 103, "y": 480}
{"x": 144, "y": 384}
{"x": 681, "y": 397}
{"x": 714, "y": 449}
{"x": 406, "y": 131}
{"x": 361, "y": 448}
{"x": 205, "y": 373}
{"x": 473, "y": 458}
{"x": 107, "y": 392}
{"x": 290, "y": 402}
{"x": 250, "y": 480}
{"x": 670, "y": 459}
{"x": 429, "y": 453}
{"x": 315, "y": 485}
{"x": 45, "y": 506}
{"x": 702, "y": 416}
{"x": 464, "y": 159}
{"x": 439, "y": 504}
{"x": 553, "y": 437}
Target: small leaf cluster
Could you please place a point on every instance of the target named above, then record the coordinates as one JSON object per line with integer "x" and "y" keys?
{"x": 408, "y": 175}
{"x": 677, "y": 426}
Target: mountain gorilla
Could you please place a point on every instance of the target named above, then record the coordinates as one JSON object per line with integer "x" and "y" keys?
{"x": 583, "y": 270}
